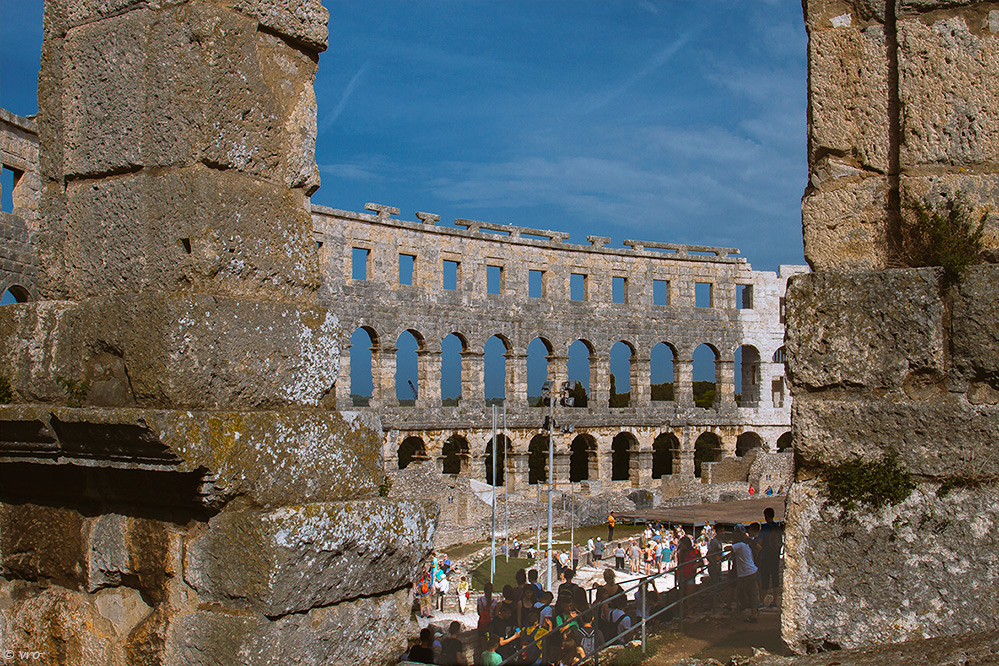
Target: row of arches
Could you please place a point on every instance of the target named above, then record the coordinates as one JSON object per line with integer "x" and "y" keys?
{"x": 453, "y": 371}
{"x": 457, "y": 458}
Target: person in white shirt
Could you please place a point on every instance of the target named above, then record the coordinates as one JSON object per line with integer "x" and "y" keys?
{"x": 743, "y": 548}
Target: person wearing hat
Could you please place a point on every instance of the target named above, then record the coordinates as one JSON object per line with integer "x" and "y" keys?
{"x": 598, "y": 551}
{"x": 745, "y": 571}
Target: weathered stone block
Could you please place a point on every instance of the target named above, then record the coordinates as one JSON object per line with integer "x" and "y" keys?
{"x": 864, "y": 330}
{"x": 826, "y": 14}
{"x": 941, "y": 436}
{"x": 846, "y": 228}
{"x": 948, "y": 83}
{"x": 926, "y": 567}
{"x": 346, "y": 550}
{"x": 184, "y": 351}
{"x": 268, "y": 458}
{"x": 975, "y": 326}
{"x": 363, "y": 631}
{"x": 134, "y": 551}
{"x": 848, "y": 91}
{"x": 42, "y": 543}
{"x": 978, "y": 191}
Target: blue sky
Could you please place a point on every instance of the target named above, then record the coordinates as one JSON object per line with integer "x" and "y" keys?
{"x": 676, "y": 121}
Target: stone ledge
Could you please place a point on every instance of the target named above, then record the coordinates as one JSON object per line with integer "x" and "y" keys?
{"x": 345, "y": 550}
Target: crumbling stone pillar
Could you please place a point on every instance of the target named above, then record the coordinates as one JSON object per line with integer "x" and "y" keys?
{"x": 516, "y": 382}
{"x": 429, "y": 364}
{"x": 343, "y": 395}
{"x": 385, "y": 369}
{"x": 599, "y": 397}
{"x": 683, "y": 374}
{"x": 887, "y": 360}
{"x": 725, "y": 396}
{"x": 641, "y": 467}
{"x": 473, "y": 379}
{"x": 641, "y": 382}
{"x": 175, "y": 482}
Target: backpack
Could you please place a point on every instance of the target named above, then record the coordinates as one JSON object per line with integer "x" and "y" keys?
{"x": 620, "y": 619}
{"x": 424, "y": 585}
{"x": 588, "y": 640}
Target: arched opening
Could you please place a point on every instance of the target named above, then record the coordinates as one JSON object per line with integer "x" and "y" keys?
{"x": 15, "y": 293}
{"x": 502, "y": 444}
{"x": 620, "y": 380}
{"x": 707, "y": 449}
{"x": 582, "y": 456}
{"x": 665, "y": 449}
{"x": 537, "y": 369}
{"x": 407, "y": 381}
{"x": 494, "y": 372}
{"x": 747, "y": 376}
{"x": 661, "y": 372}
{"x": 411, "y": 450}
{"x": 455, "y": 453}
{"x": 777, "y": 388}
{"x": 621, "y": 450}
{"x": 579, "y": 372}
{"x": 784, "y": 442}
{"x": 705, "y": 376}
{"x": 537, "y": 460}
{"x": 363, "y": 345}
{"x": 746, "y": 442}
{"x": 451, "y": 348}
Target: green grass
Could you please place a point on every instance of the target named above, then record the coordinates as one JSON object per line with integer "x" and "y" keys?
{"x": 505, "y": 572}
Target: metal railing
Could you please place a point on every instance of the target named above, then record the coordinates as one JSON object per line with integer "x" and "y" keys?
{"x": 640, "y": 586}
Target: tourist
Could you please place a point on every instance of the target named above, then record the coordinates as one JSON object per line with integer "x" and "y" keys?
{"x": 635, "y": 557}
{"x": 423, "y": 591}
{"x": 769, "y": 560}
{"x": 546, "y": 610}
{"x": 687, "y": 560}
{"x": 589, "y": 551}
{"x": 531, "y": 639}
{"x": 423, "y": 652}
{"x": 747, "y": 586}
{"x": 575, "y": 556}
{"x": 598, "y": 551}
{"x": 504, "y": 624}
{"x": 463, "y": 594}
{"x": 650, "y": 557}
{"x": 590, "y": 638}
{"x": 570, "y": 651}
{"x": 452, "y": 649}
{"x": 441, "y": 587}
{"x": 446, "y": 564}
{"x": 619, "y": 556}
{"x": 610, "y": 527}
{"x": 490, "y": 656}
{"x": 532, "y": 577}
{"x": 605, "y": 592}
{"x": 485, "y": 607}
{"x": 618, "y": 619}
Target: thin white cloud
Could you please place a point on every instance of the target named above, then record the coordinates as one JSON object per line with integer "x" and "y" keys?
{"x": 331, "y": 117}
{"x": 655, "y": 63}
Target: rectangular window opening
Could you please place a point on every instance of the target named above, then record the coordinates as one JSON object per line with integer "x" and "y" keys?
{"x": 703, "y": 295}
{"x": 660, "y": 292}
{"x": 781, "y": 309}
{"x": 359, "y": 263}
{"x": 8, "y": 181}
{"x": 494, "y": 280}
{"x": 619, "y": 289}
{"x": 407, "y": 266}
{"x": 744, "y": 296}
{"x": 577, "y": 287}
{"x": 450, "y": 275}
{"x": 535, "y": 284}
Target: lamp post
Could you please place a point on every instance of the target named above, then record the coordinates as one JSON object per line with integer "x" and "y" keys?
{"x": 548, "y": 391}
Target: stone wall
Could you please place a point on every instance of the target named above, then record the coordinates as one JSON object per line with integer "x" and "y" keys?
{"x": 18, "y": 258}
{"x": 176, "y": 485}
{"x": 887, "y": 360}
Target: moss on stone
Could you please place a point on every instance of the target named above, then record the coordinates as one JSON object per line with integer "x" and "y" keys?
{"x": 873, "y": 483}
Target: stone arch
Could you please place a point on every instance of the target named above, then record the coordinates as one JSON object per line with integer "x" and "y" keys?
{"x": 623, "y": 447}
{"x": 537, "y": 460}
{"x": 706, "y": 380}
{"x": 580, "y": 371}
{"x": 784, "y": 442}
{"x": 748, "y": 375}
{"x": 582, "y": 458}
{"x": 15, "y": 293}
{"x": 408, "y": 346}
{"x": 746, "y": 442}
{"x": 453, "y": 346}
{"x": 662, "y": 371}
{"x": 412, "y": 449}
{"x": 494, "y": 370}
{"x": 707, "y": 448}
{"x": 665, "y": 455}
{"x": 455, "y": 454}
{"x": 538, "y": 349}
{"x": 502, "y": 450}
{"x": 364, "y": 347}
{"x": 778, "y": 356}
{"x": 622, "y": 368}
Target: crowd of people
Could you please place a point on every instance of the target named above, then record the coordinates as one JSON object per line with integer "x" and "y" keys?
{"x": 541, "y": 627}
